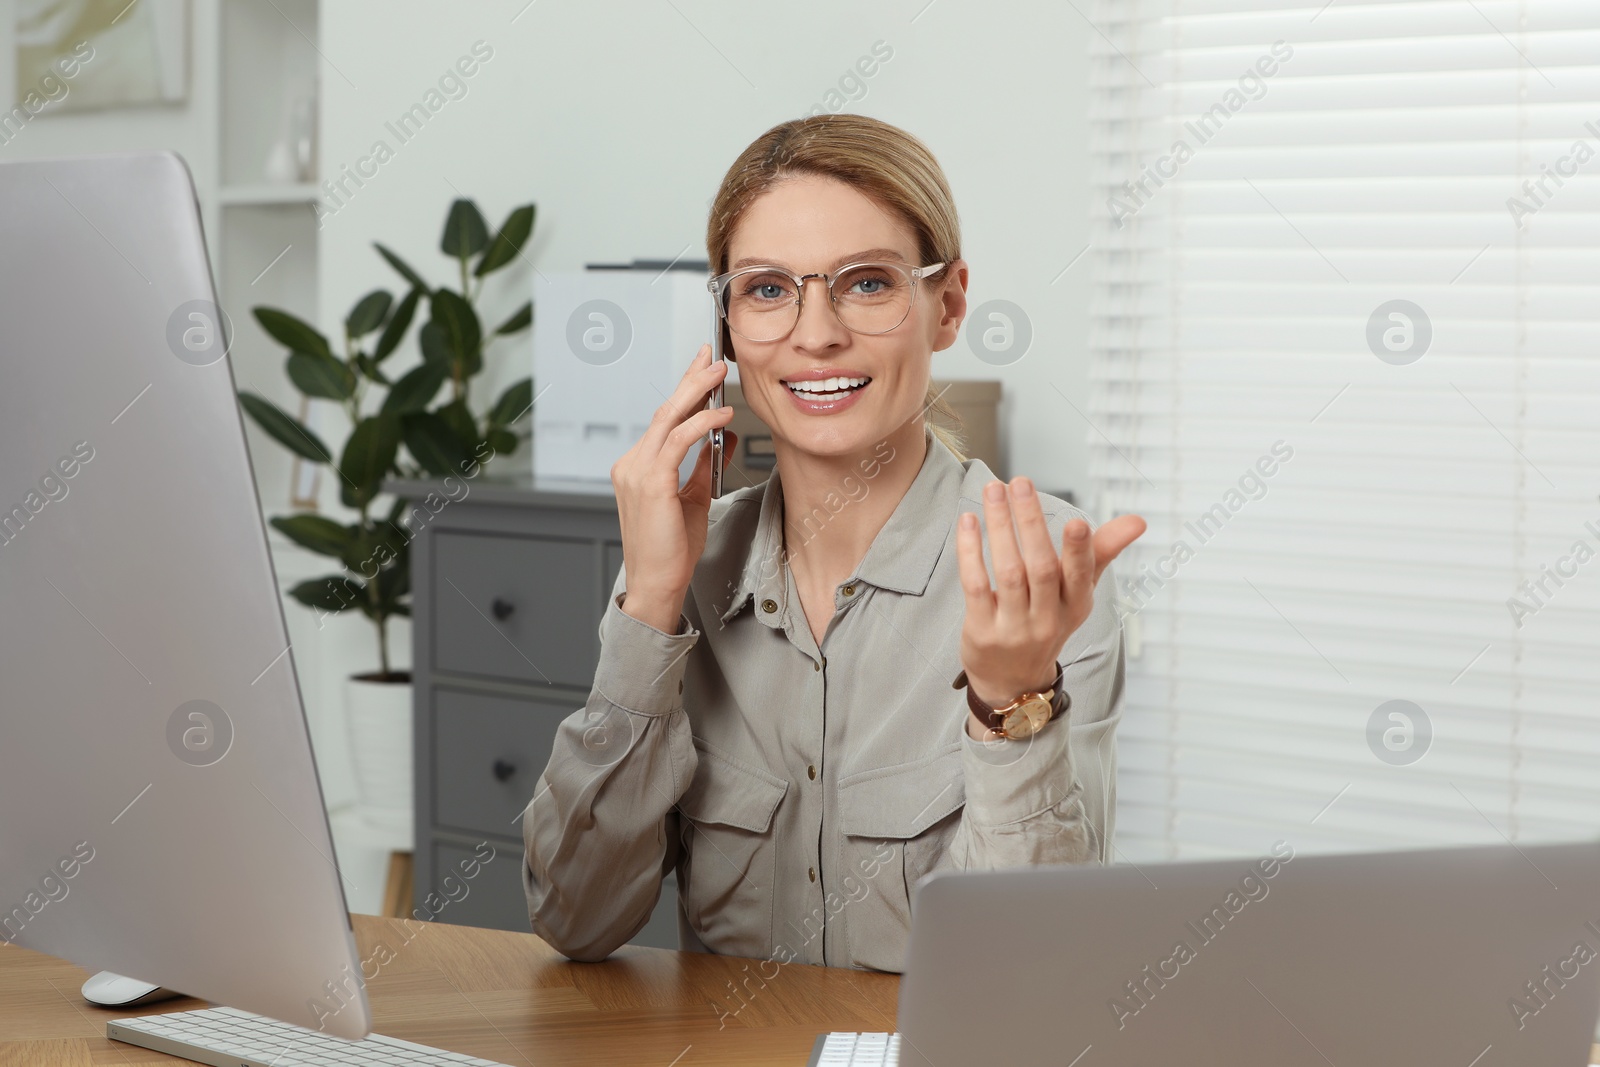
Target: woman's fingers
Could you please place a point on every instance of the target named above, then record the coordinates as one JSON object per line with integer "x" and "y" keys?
{"x": 1112, "y": 538}
{"x": 701, "y": 377}
{"x": 974, "y": 577}
{"x": 1078, "y": 571}
{"x": 683, "y": 436}
{"x": 698, "y": 491}
{"x": 1038, "y": 551}
{"x": 1010, "y": 573}
{"x": 1085, "y": 556}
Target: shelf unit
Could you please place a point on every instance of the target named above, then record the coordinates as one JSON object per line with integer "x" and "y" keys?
{"x": 304, "y": 193}
{"x": 265, "y": 248}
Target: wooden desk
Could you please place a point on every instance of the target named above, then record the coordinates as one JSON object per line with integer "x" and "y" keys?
{"x": 507, "y": 997}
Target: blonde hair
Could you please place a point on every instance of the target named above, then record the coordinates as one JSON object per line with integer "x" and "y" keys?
{"x": 881, "y": 161}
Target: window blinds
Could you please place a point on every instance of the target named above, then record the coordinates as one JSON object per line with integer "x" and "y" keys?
{"x": 1345, "y": 341}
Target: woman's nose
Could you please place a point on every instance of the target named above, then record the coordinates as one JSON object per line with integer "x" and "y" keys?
{"x": 817, "y": 327}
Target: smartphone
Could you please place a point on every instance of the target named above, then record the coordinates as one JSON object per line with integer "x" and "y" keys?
{"x": 716, "y": 402}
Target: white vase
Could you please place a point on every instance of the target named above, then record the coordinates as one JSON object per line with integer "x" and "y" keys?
{"x": 378, "y": 715}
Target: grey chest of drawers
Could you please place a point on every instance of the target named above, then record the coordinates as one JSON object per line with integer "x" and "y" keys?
{"x": 509, "y": 582}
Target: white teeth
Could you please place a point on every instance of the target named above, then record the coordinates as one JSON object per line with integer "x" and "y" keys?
{"x": 827, "y": 388}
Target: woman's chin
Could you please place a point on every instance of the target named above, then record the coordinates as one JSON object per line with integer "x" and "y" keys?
{"x": 843, "y": 439}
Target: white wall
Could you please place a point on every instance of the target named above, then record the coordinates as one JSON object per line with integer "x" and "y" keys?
{"x": 619, "y": 119}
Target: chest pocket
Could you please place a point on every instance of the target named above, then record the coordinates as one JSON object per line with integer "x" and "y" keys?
{"x": 897, "y": 823}
{"x": 726, "y": 879}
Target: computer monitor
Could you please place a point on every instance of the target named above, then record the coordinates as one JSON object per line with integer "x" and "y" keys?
{"x": 160, "y": 811}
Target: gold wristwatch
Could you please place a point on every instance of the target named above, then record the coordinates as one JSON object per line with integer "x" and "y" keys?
{"x": 1022, "y": 717}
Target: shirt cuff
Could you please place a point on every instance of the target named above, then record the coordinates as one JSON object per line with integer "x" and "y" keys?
{"x": 1008, "y": 781}
{"x": 641, "y": 669}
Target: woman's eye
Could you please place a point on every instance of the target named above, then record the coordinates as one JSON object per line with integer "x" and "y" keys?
{"x": 766, "y": 289}
{"x": 870, "y": 285}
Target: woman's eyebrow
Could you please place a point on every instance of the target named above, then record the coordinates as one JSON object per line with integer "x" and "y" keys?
{"x": 851, "y": 257}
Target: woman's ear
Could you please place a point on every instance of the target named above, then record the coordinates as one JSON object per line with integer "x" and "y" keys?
{"x": 952, "y": 305}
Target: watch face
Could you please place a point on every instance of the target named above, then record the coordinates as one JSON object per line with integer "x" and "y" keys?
{"x": 1026, "y": 718}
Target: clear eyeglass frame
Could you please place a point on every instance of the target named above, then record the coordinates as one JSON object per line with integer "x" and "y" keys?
{"x": 720, "y": 284}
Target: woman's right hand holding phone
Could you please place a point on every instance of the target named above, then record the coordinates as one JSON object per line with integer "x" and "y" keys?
{"x": 663, "y": 526}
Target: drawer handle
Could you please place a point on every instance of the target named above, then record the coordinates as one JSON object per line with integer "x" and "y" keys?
{"x": 503, "y": 770}
{"x": 502, "y": 609}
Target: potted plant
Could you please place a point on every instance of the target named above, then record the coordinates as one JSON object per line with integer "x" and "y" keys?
{"x": 400, "y": 426}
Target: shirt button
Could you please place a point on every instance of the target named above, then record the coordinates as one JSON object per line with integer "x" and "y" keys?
{"x": 812, "y": 873}
{"x": 850, "y": 590}
{"x": 680, "y": 685}
{"x": 815, "y": 665}
{"x": 811, "y": 772}
{"x": 769, "y": 606}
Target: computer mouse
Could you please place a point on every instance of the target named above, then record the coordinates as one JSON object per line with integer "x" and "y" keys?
{"x": 115, "y": 991}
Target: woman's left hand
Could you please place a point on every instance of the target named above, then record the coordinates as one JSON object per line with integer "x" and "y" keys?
{"x": 1014, "y": 633}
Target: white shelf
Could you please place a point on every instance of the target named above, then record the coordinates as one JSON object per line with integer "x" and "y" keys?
{"x": 303, "y": 193}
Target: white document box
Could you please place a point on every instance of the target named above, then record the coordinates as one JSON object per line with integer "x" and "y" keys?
{"x": 609, "y": 347}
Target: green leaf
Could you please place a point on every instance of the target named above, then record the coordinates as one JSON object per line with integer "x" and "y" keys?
{"x": 375, "y": 549}
{"x": 434, "y": 343}
{"x": 394, "y": 583}
{"x": 333, "y": 593}
{"x": 369, "y": 366}
{"x": 513, "y": 404}
{"x": 321, "y": 376}
{"x": 465, "y": 232}
{"x": 521, "y": 320}
{"x": 368, "y": 314}
{"x": 504, "y": 442}
{"x": 434, "y": 445}
{"x": 508, "y": 242}
{"x": 460, "y": 419}
{"x": 416, "y": 388}
{"x": 401, "y": 266}
{"x": 395, "y": 331}
{"x": 283, "y": 428}
{"x": 319, "y": 534}
{"x": 462, "y": 333}
{"x": 368, "y": 456}
{"x": 292, "y": 332}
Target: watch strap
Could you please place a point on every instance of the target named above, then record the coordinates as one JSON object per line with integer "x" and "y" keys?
{"x": 991, "y": 719}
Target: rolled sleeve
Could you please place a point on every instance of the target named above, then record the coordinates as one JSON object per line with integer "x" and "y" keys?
{"x": 641, "y": 668}
{"x": 599, "y": 833}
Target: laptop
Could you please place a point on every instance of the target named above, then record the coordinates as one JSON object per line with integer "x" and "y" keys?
{"x": 1462, "y": 957}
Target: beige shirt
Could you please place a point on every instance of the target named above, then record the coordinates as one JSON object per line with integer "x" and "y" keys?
{"x": 799, "y": 793}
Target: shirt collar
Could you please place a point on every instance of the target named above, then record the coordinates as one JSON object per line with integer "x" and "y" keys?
{"x": 902, "y": 557}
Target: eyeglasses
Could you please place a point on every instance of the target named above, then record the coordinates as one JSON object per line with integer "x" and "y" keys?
{"x": 764, "y": 303}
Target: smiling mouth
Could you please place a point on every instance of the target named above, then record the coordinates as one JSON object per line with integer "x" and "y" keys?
{"x": 825, "y": 389}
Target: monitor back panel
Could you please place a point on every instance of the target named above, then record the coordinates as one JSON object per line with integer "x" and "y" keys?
{"x": 160, "y": 812}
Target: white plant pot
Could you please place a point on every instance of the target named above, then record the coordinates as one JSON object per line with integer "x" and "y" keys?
{"x": 378, "y": 715}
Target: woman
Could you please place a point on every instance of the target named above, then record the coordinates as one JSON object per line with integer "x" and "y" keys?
{"x": 777, "y": 713}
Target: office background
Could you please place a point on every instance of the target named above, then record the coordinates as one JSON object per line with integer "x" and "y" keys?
{"x": 618, "y": 122}
{"x": 1346, "y": 656}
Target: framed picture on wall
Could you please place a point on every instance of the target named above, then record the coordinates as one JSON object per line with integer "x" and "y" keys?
{"x": 81, "y": 55}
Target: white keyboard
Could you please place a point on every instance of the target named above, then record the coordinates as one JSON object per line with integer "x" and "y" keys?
{"x": 227, "y": 1037}
{"x": 845, "y": 1049}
